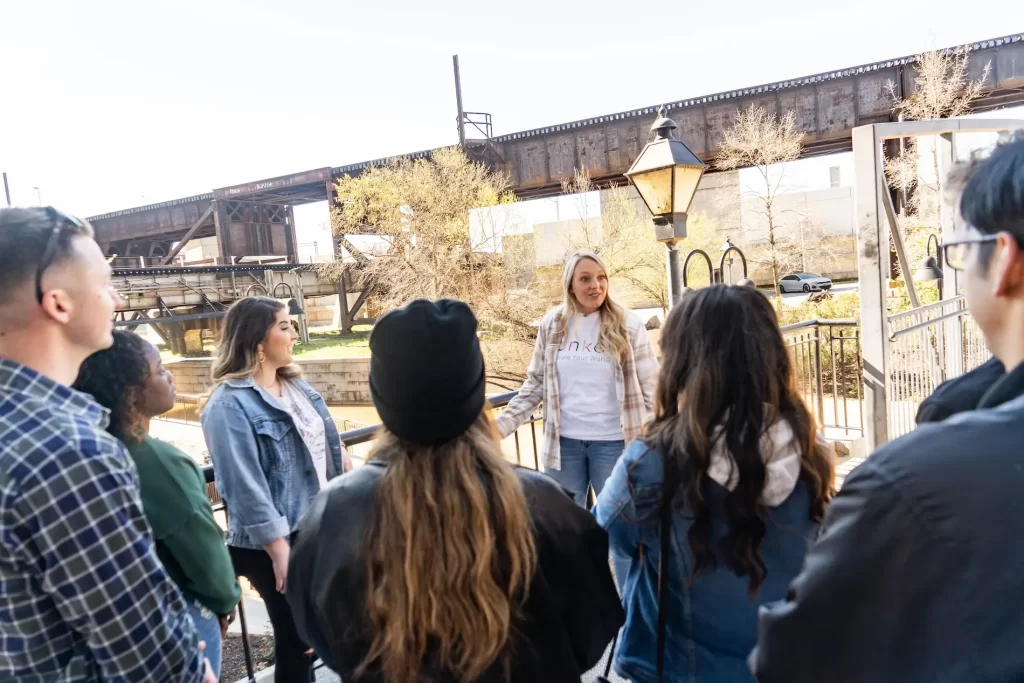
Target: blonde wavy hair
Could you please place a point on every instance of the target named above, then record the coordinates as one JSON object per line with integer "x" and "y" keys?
{"x": 450, "y": 557}
{"x": 614, "y": 336}
{"x": 246, "y": 325}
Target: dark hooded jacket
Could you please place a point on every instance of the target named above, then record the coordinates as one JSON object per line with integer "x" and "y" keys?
{"x": 917, "y": 574}
{"x": 571, "y": 613}
{"x": 960, "y": 394}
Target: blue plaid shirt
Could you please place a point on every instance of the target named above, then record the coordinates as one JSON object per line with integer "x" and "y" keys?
{"x": 83, "y": 596}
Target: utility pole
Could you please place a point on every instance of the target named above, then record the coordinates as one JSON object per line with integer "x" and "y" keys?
{"x": 458, "y": 102}
{"x": 39, "y": 195}
{"x": 7, "y": 190}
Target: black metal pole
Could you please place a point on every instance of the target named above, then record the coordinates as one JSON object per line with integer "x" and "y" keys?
{"x": 674, "y": 284}
{"x": 7, "y": 190}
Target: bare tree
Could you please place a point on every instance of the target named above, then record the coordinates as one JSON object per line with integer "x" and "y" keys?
{"x": 426, "y": 245}
{"x": 942, "y": 89}
{"x": 762, "y": 140}
{"x": 623, "y": 235}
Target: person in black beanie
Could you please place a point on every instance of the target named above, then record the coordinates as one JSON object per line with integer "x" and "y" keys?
{"x": 439, "y": 560}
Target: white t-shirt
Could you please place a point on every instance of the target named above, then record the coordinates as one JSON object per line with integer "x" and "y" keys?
{"x": 589, "y": 407}
{"x": 310, "y": 425}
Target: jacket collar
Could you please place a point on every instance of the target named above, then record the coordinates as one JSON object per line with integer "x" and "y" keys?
{"x": 1005, "y": 389}
{"x": 16, "y": 378}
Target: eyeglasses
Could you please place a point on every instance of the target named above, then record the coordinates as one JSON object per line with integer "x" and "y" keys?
{"x": 956, "y": 253}
{"x": 60, "y": 221}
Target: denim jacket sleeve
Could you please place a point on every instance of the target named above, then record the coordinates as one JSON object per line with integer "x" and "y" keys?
{"x": 626, "y": 503}
{"x": 238, "y": 473}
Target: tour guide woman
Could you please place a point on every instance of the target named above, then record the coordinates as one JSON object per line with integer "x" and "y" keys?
{"x": 129, "y": 380}
{"x": 732, "y": 460}
{"x": 595, "y": 371}
{"x": 438, "y": 560}
{"x": 274, "y": 446}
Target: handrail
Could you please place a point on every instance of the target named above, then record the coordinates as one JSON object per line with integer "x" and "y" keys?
{"x": 841, "y": 322}
{"x": 928, "y": 323}
{"x": 354, "y": 437}
{"x": 924, "y": 309}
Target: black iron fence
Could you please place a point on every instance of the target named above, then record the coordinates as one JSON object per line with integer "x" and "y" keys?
{"x": 828, "y": 367}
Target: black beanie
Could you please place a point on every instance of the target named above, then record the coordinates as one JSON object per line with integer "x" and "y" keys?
{"x": 426, "y": 371}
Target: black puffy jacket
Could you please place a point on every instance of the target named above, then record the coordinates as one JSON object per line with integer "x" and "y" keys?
{"x": 571, "y": 614}
{"x": 918, "y": 575}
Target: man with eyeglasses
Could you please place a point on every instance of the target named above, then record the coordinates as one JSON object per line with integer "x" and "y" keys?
{"x": 917, "y": 575}
{"x": 83, "y": 596}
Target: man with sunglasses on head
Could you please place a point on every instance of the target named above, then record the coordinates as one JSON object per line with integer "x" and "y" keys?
{"x": 917, "y": 574}
{"x": 83, "y": 596}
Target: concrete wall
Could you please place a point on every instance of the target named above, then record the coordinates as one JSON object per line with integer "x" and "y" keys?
{"x": 341, "y": 381}
{"x": 827, "y": 212}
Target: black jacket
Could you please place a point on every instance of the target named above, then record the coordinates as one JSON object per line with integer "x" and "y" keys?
{"x": 919, "y": 574}
{"x": 571, "y": 614}
{"x": 960, "y": 394}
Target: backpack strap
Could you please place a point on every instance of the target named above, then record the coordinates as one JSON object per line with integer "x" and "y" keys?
{"x": 666, "y": 544}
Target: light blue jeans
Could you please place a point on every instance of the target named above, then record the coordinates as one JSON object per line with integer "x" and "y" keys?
{"x": 208, "y": 628}
{"x": 586, "y": 464}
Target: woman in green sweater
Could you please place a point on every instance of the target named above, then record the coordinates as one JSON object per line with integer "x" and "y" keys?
{"x": 130, "y": 381}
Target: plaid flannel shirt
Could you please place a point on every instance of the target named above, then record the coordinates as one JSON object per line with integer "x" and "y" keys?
{"x": 83, "y": 596}
{"x": 635, "y": 381}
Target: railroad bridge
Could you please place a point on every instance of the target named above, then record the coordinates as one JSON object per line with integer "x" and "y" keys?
{"x": 255, "y": 219}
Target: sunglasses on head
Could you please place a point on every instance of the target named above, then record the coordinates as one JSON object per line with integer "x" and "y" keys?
{"x": 60, "y": 221}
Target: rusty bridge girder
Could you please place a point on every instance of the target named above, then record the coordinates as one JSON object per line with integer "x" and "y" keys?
{"x": 827, "y": 107}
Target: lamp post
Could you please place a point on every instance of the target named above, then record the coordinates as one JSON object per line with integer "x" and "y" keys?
{"x": 666, "y": 175}
{"x": 931, "y": 268}
{"x": 727, "y": 249}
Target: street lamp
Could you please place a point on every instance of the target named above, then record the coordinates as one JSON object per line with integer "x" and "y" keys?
{"x": 726, "y": 259}
{"x": 666, "y": 175}
{"x": 727, "y": 249}
{"x": 930, "y": 268}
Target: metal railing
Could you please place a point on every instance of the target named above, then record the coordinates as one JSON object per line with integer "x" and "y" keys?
{"x": 927, "y": 346}
{"x": 827, "y": 363}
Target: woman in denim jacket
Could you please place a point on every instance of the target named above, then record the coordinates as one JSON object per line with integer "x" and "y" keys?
{"x": 274, "y": 446}
{"x": 732, "y": 452}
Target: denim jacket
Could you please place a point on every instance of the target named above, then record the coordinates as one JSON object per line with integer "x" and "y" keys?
{"x": 261, "y": 465}
{"x": 711, "y": 621}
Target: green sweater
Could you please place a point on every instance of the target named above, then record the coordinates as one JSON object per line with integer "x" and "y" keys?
{"x": 188, "y": 540}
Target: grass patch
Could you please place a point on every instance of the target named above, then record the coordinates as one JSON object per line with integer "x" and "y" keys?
{"x": 322, "y": 344}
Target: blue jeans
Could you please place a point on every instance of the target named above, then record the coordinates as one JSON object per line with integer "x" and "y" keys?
{"x": 208, "y": 628}
{"x": 586, "y": 464}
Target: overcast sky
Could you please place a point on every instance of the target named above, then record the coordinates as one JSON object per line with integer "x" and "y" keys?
{"x": 106, "y": 105}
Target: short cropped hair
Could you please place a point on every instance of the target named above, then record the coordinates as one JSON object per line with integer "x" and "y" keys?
{"x": 993, "y": 195}
{"x": 24, "y": 234}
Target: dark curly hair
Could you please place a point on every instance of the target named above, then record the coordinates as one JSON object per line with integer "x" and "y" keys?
{"x": 723, "y": 361}
{"x": 115, "y": 377}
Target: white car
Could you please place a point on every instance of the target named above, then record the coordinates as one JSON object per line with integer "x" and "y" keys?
{"x": 804, "y": 282}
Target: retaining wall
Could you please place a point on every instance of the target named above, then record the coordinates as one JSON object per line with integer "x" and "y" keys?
{"x": 341, "y": 381}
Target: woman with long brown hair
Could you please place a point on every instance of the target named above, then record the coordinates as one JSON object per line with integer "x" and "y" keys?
{"x": 438, "y": 560}
{"x": 273, "y": 445}
{"x": 732, "y": 468}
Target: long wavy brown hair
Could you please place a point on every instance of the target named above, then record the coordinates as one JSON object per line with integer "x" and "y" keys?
{"x": 450, "y": 557}
{"x": 246, "y": 324}
{"x": 725, "y": 365}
